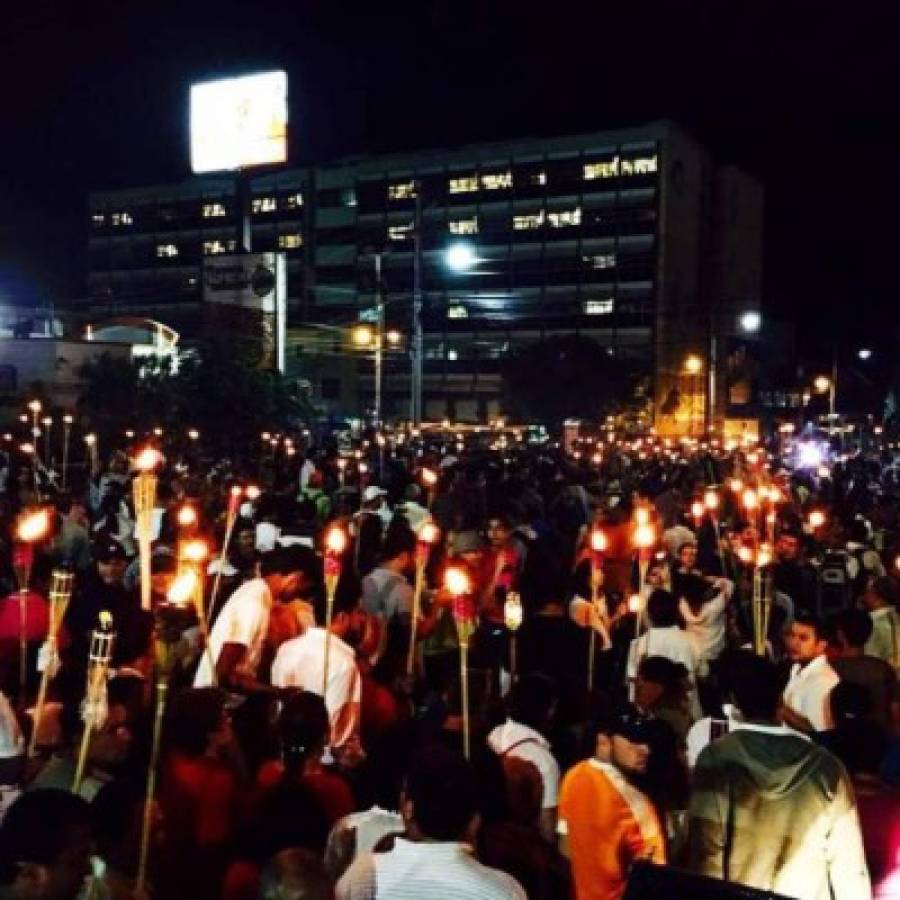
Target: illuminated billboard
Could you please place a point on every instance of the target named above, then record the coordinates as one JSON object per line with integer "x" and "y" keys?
{"x": 239, "y": 122}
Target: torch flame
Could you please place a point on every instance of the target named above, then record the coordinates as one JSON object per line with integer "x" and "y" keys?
{"x": 644, "y": 537}
{"x": 736, "y": 485}
{"x": 764, "y": 557}
{"x": 711, "y": 500}
{"x": 816, "y": 518}
{"x": 195, "y": 551}
{"x": 456, "y": 581}
{"x": 697, "y": 509}
{"x": 642, "y": 515}
{"x": 429, "y": 477}
{"x": 147, "y": 459}
{"x": 182, "y": 588}
{"x": 429, "y": 533}
{"x": 745, "y": 554}
{"x": 34, "y": 526}
{"x": 634, "y": 603}
{"x": 336, "y": 540}
{"x": 598, "y": 541}
{"x": 187, "y": 516}
{"x": 751, "y": 501}
{"x": 253, "y": 492}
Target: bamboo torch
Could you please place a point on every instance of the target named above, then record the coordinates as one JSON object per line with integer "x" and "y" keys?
{"x": 144, "y": 493}
{"x": 458, "y": 583}
{"x": 48, "y": 663}
{"x": 598, "y": 548}
{"x": 68, "y": 420}
{"x": 427, "y": 538}
{"x": 429, "y": 480}
{"x": 762, "y": 600}
{"x": 172, "y": 618}
{"x": 32, "y": 527}
{"x": 234, "y": 503}
{"x": 94, "y": 709}
{"x": 335, "y": 544}
{"x": 644, "y": 539}
{"x": 192, "y": 556}
{"x": 512, "y": 618}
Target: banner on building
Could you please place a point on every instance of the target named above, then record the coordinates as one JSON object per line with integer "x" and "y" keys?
{"x": 245, "y": 302}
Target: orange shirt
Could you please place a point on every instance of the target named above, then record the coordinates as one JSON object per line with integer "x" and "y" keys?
{"x": 609, "y": 824}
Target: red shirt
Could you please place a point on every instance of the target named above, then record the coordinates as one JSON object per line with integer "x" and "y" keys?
{"x": 334, "y": 797}
{"x": 37, "y": 617}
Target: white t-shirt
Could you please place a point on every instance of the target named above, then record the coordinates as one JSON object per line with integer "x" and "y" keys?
{"x": 244, "y": 620}
{"x": 706, "y": 628}
{"x": 300, "y": 662}
{"x": 808, "y": 690}
{"x": 522, "y": 742}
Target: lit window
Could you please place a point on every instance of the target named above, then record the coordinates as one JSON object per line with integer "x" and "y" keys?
{"x": 565, "y": 219}
{"x": 294, "y": 201}
{"x": 598, "y": 307}
{"x": 211, "y": 248}
{"x": 121, "y": 218}
{"x": 643, "y": 165}
{"x": 265, "y": 204}
{"x": 463, "y": 226}
{"x": 495, "y": 181}
{"x": 601, "y": 261}
{"x": 609, "y": 169}
{"x": 463, "y": 185}
{"x": 399, "y": 232}
{"x": 166, "y": 251}
{"x": 290, "y": 241}
{"x": 452, "y": 354}
{"x": 213, "y": 210}
{"x": 457, "y": 311}
{"x": 403, "y": 190}
{"x": 98, "y": 219}
{"x": 537, "y": 178}
{"x": 528, "y": 222}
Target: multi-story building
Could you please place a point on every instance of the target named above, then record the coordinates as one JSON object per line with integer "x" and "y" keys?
{"x": 634, "y": 238}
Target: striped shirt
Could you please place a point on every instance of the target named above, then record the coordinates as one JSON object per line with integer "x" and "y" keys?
{"x": 411, "y": 871}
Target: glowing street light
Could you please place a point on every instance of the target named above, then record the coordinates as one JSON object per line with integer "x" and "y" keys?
{"x": 693, "y": 365}
{"x": 751, "y": 321}
{"x": 822, "y": 384}
{"x": 362, "y": 336}
{"x": 864, "y": 353}
{"x": 460, "y": 257}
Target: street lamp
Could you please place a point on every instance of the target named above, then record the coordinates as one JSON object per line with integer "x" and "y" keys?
{"x": 362, "y": 336}
{"x": 751, "y": 321}
{"x": 460, "y": 257}
{"x": 821, "y": 384}
{"x": 864, "y": 353}
{"x": 693, "y": 366}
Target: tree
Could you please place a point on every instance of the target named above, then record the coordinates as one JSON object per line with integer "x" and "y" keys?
{"x": 213, "y": 390}
{"x": 569, "y": 376}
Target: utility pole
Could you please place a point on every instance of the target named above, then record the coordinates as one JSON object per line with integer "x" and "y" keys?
{"x": 379, "y": 338}
{"x": 415, "y": 380}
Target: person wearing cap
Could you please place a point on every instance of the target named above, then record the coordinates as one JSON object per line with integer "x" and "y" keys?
{"x": 238, "y": 637}
{"x": 772, "y": 810}
{"x": 598, "y": 797}
{"x": 368, "y": 527}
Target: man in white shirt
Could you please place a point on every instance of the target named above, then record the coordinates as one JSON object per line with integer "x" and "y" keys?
{"x": 238, "y": 637}
{"x": 880, "y": 600}
{"x": 805, "y": 703}
{"x": 435, "y": 858}
{"x": 702, "y": 606}
{"x": 529, "y": 710}
{"x": 300, "y": 662}
{"x": 664, "y": 638}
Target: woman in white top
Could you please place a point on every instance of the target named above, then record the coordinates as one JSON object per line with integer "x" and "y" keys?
{"x": 702, "y": 607}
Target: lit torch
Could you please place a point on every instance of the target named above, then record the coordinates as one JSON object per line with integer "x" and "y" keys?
{"x": 512, "y": 618}
{"x": 234, "y": 504}
{"x": 335, "y": 544}
{"x": 48, "y": 660}
{"x": 762, "y": 599}
{"x": 599, "y": 545}
{"x": 144, "y": 494}
{"x": 94, "y": 708}
{"x": 458, "y": 584}
{"x": 644, "y": 540}
{"x": 32, "y": 528}
{"x": 429, "y": 480}
{"x": 427, "y": 538}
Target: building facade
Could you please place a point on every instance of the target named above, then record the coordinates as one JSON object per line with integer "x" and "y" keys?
{"x": 634, "y": 238}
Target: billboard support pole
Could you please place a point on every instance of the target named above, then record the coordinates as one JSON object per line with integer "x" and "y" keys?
{"x": 244, "y": 211}
{"x": 415, "y": 400}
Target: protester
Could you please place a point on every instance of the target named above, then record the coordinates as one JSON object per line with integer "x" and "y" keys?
{"x": 805, "y": 706}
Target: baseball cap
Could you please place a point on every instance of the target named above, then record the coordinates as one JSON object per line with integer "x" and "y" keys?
{"x": 372, "y": 492}
{"x": 106, "y": 549}
{"x": 628, "y": 722}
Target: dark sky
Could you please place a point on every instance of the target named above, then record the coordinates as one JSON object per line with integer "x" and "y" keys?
{"x": 95, "y": 95}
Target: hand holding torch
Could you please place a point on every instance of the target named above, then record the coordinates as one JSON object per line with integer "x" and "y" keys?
{"x": 94, "y": 708}
{"x": 48, "y": 659}
{"x": 427, "y": 538}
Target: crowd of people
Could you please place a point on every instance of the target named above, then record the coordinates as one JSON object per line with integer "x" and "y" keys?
{"x": 718, "y": 696}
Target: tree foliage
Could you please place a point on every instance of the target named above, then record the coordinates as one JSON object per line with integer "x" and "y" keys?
{"x": 569, "y": 376}
{"x": 212, "y": 390}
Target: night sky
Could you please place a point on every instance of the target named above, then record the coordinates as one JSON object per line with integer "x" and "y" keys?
{"x": 95, "y": 96}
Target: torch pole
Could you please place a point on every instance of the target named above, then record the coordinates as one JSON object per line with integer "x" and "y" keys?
{"x": 414, "y": 615}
